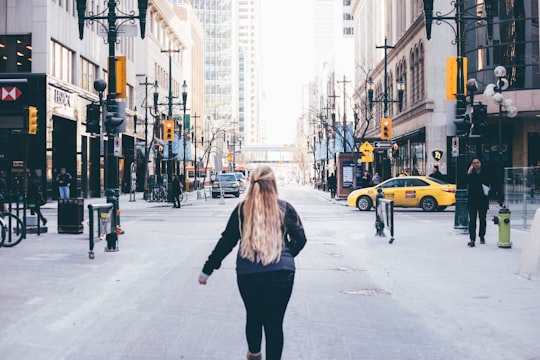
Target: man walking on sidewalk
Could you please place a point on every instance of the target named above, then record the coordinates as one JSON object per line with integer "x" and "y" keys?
{"x": 478, "y": 201}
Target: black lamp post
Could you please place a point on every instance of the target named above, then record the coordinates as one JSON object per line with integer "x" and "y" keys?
{"x": 146, "y": 150}
{"x": 184, "y": 126}
{"x": 111, "y": 121}
{"x": 195, "y": 162}
{"x": 461, "y": 220}
{"x": 169, "y": 117}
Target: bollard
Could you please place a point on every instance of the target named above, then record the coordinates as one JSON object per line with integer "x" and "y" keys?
{"x": 112, "y": 196}
{"x": 379, "y": 223}
{"x": 503, "y": 221}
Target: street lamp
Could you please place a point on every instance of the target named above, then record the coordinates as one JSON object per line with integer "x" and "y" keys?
{"x": 494, "y": 91}
{"x": 184, "y": 127}
{"x": 461, "y": 220}
{"x": 112, "y": 119}
{"x": 146, "y": 149}
{"x": 156, "y": 121}
{"x": 195, "y": 163}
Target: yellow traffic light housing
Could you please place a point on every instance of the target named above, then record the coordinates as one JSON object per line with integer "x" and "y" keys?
{"x": 168, "y": 130}
{"x": 386, "y": 128}
{"x": 32, "y": 120}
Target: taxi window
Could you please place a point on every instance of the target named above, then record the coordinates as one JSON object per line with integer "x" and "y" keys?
{"x": 390, "y": 184}
{"x": 416, "y": 182}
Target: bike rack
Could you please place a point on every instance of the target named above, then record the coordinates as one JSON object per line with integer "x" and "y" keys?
{"x": 106, "y": 226}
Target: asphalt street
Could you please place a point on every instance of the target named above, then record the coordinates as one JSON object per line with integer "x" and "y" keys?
{"x": 426, "y": 296}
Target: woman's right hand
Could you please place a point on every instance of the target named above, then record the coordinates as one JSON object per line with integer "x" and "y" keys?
{"x": 202, "y": 280}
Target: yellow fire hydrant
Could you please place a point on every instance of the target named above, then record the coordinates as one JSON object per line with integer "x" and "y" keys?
{"x": 503, "y": 220}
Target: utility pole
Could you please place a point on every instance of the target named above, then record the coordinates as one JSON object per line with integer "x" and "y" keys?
{"x": 344, "y": 82}
{"x": 195, "y": 163}
{"x": 146, "y": 149}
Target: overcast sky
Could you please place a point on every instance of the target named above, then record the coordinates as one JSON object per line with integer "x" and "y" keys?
{"x": 286, "y": 45}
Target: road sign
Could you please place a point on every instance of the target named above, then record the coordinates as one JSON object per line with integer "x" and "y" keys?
{"x": 366, "y": 148}
{"x": 367, "y": 158}
{"x": 382, "y": 144}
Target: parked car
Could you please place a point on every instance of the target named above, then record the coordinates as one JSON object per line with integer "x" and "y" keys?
{"x": 407, "y": 191}
{"x": 241, "y": 181}
{"x": 226, "y": 183}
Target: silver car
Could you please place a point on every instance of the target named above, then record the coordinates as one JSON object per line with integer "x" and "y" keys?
{"x": 226, "y": 183}
{"x": 241, "y": 181}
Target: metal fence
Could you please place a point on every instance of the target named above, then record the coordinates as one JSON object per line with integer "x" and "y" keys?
{"x": 522, "y": 194}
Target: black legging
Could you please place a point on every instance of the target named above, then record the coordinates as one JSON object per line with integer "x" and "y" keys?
{"x": 265, "y": 297}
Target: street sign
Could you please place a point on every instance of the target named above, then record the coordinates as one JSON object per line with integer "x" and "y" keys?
{"x": 455, "y": 146}
{"x": 382, "y": 144}
{"x": 367, "y": 158}
{"x": 437, "y": 154}
{"x": 366, "y": 148}
{"x": 126, "y": 30}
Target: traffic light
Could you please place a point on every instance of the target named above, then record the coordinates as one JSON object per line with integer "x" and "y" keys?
{"x": 168, "y": 130}
{"x": 386, "y": 128}
{"x": 92, "y": 118}
{"x": 463, "y": 123}
{"x": 32, "y": 120}
{"x": 479, "y": 120}
{"x": 113, "y": 119}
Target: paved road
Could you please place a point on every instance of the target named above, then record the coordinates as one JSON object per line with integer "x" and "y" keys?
{"x": 426, "y": 296}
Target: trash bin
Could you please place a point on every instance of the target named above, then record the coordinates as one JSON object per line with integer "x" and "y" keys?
{"x": 70, "y": 216}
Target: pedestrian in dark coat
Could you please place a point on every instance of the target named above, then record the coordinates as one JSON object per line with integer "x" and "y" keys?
{"x": 478, "y": 182}
{"x": 436, "y": 174}
{"x": 332, "y": 185}
{"x": 176, "y": 191}
{"x": 271, "y": 234}
{"x": 35, "y": 196}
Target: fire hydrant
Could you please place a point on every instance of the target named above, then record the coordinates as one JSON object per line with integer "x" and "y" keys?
{"x": 503, "y": 220}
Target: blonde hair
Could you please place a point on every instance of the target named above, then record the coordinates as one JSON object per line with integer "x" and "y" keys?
{"x": 262, "y": 238}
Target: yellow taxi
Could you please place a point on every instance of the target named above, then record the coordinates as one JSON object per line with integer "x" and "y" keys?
{"x": 428, "y": 193}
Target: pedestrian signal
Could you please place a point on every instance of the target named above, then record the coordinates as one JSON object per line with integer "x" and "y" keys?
{"x": 168, "y": 130}
{"x": 32, "y": 120}
{"x": 386, "y": 129}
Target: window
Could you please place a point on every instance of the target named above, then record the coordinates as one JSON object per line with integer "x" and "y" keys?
{"x": 61, "y": 62}
{"x": 88, "y": 75}
{"x": 15, "y": 53}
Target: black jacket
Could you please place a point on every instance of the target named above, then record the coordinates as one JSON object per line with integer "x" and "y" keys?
{"x": 294, "y": 241}
{"x": 476, "y": 196}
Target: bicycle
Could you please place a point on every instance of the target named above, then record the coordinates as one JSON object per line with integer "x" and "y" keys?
{"x": 183, "y": 196}
{"x": 12, "y": 229}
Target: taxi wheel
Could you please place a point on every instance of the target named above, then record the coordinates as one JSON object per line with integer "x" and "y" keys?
{"x": 429, "y": 203}
{"x": 364, "y": 203}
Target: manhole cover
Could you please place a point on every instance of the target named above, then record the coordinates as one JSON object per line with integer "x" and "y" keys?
{"x": 366, "y": 292}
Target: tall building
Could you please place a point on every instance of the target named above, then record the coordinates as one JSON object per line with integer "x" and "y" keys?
{"x": 221, "y": 60}
{"x": 249, "y": 124}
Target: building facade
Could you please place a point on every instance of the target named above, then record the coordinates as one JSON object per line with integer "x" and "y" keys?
{"x": 57, "y": 76}
{"x": 425, "y": 125}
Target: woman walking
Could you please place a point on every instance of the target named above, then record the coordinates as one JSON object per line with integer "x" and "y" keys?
{"x": 271, "y": 235}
